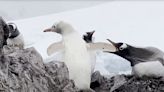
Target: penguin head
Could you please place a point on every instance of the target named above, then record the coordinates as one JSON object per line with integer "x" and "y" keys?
{"x": 120, "y": 47}
{"x": 88, "y": 36}
{"x": 60, "y": 28}
{"x": 13, "y": 30}
{"x": 127, "y": 52}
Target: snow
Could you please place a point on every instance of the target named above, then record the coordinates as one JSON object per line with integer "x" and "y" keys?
{"x": 138, "y": 23}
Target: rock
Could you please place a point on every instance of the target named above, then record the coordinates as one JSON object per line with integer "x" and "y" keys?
{"x": 119, "y": 80}
{"x": 4, "y": 33}
{"x": 126, "y": 83}
{"x": 146, "y": 84}
{"x": 59, "y": 73}
{"x": 24, "y": 71}
{"x": 101, "y": 83}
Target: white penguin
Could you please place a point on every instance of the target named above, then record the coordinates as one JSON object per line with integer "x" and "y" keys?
{"x": 76, "y": 53}
{"x": 15, "y": 37}
{"x": 148, "y": 61}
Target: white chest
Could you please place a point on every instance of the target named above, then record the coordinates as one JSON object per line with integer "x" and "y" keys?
{"x": 77, "y": 60}
{"x": 153, "y": 68}
{"x": 16, "y": 42}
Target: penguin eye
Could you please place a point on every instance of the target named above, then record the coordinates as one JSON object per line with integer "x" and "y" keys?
{"x": 123, "y": 46}
{"x": 54, "y": 25}
{"x": 12, "y": 26}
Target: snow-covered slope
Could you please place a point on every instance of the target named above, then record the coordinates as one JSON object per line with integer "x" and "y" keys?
{"x": 136, "y": 23}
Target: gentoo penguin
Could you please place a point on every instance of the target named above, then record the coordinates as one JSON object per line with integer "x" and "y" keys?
{"x": 88, "y": 38}
{"x": 148, "y": 61}
{"x": 15, "y": 37}
{"x": 76, "y": 55}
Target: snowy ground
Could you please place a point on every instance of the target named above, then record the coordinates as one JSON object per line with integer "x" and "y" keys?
{"x": 136, "y": 23}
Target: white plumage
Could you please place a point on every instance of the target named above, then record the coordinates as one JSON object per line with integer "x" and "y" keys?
{"x": 16, "y": 42}
{"x": 76, "y": 56}
{"x": 15, "y": 38}
{"x": 77, "y": 60}
{"x": 152, "y": 68}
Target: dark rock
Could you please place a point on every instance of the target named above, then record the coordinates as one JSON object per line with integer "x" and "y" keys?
{"x": 126, "y": 83}
{"x": 24, "y": 71}
{"x": 100, "y": 83}
{"x": 4, "y": 33}
{"x": 146, "y": 84}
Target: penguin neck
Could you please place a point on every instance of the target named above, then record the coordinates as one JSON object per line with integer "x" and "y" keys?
{"x": 140, "y": 52}
{"x": 14, "y": 34}
{"x": 137, "y": 55}
{"x": 67, "y": 30}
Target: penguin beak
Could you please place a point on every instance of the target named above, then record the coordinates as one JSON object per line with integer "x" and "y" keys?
{"x": 48, "y": 30}
{"x": 53, "y": 29}
{"x": 92, "y": 32}
{"x": 114, "y": 44}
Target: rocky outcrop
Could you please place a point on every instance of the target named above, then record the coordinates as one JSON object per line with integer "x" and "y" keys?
{"x": 4, "y": 33}
{"x": 24, "y": 71}
{"x": 126, "y": 83}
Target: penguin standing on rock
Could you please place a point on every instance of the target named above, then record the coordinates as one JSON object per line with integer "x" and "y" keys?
{"x": 15, "y": 38}
{"x": 76, "y": 55}
{"x": 148, "y": 61}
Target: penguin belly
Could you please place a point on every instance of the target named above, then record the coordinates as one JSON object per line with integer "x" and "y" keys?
{"x": 16, "y": 42}
{"x": 77, "y": 60}
{"x": 152, "y": 68}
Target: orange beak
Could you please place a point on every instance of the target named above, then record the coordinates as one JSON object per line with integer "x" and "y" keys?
{"x": 48, "y": 30}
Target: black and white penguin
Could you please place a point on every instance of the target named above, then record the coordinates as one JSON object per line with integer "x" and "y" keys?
{"x": 76, "y": 55}
{"x": 148, "y": 61}
{"x": 15, "y": 37}
{"x": 88, "y": 37}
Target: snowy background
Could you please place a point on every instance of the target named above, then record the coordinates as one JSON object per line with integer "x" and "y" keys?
{"x": 20, "y": 9}
{"x": 137, "y": 23}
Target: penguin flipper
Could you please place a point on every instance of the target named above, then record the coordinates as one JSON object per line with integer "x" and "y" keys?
{"x": 101, "y": 46}
{"x": 55, "y": 47}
